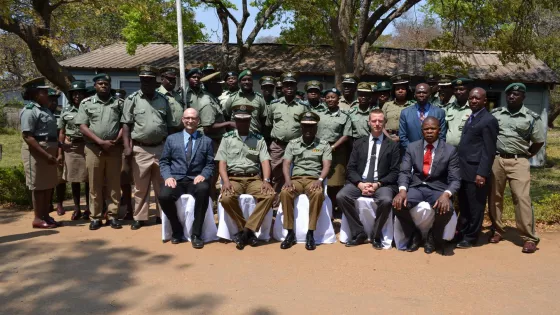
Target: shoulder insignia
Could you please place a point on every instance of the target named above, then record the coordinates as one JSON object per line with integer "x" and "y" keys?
{"x": 532, "y": 113}
{"x": 302, "y": 102}
{"x": 256, "y": 135}
{"x": 229, "y": 134}
{"x": 87, "y": 99}
{"x": 296, "y": 140}
{"x": 274, "y": 101}
{"x": 497, "y": 109}
{"x": 132, "y": 95}
{"x": 259, "y": 94}
{"x": 323, "y": 142}
{"x": 29, "y": 105}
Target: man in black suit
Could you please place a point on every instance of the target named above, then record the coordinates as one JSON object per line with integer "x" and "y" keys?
{"x": 372, "y": 172}
{"x": 477, "y": 150}
{"x": 434, "y": 178}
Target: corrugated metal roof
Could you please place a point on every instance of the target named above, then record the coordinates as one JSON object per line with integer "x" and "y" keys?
{"x": 312, "y": 59}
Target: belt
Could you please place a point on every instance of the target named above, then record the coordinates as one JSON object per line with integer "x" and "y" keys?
{"x": 77, "y": 140}
{"x": 147, "y": 144}
{"x": 513, "y": 156}
{"x": 280, "y": 142}
{"x": 45, "y": 138}
{"x": 242, "y": 175}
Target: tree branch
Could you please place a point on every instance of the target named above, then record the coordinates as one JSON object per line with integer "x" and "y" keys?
{"x": 220, "y": 5}
{"x": 261, "y": 20}
{"x": 241, "y": 25}
{"x": 377, "y": 14}
{"x": 378, "y": 30}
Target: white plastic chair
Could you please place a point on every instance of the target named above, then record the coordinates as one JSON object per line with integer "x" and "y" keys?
{"x": 185, "y": 212}
{"x": 366, "y": 208}
{"x": 227, "y": 227}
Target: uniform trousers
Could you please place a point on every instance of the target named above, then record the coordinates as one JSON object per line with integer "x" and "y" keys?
{"x": 145, "y": 171}
{"x": 517, "y": 173}
{"x": 103, "y": 169}
{"x": 250, "y": 185}
{"x": 472, "y": 201}
{"x": 276, "y": 155}
{"x": 316, "y": 198}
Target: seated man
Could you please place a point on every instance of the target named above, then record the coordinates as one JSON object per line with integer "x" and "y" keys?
{"x": 241, "y": 156}
{"x": 312, "y": 161}
{"x": 187, "y": 165}
{"x": 373, "y": 170}
{"x": 434, "y": 178}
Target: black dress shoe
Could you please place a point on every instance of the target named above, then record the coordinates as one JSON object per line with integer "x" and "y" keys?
{"x": 253, "y": 241}
{"x": 464, "y": 244}
{"x": 176, "y": 240}
{"x": 310, "y": 242}
{"x": 95, "y": 224}
{"x": 415, "y": 241}
{"x": 114, "y": 223}
{"x": 86, "y": 215}
{"x": 239, "y": 240}
{"x": 197, "y": 242}
{"x": 429, "y": 246}
{"x": 51, "y": 220}
{"x": 376, "y": 243}
{"x": 360, "y": 239}
{"x": 289, "y": 241}
{"x": 158, "y": 220}
{"x": 137, "y": 225}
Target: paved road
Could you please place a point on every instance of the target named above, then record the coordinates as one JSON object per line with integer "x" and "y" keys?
{"x": 72, "y": 270}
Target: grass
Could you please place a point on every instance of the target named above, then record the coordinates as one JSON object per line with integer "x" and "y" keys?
{"x": 10, "y": 140}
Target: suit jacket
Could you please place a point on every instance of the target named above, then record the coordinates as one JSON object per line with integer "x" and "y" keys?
{"x": 410, "y": 127}
{"x": 387, "y": 162}
{"x": 173, "y": 161}
{"x": 477, "y": 148}
{"x": 445, "y": 173}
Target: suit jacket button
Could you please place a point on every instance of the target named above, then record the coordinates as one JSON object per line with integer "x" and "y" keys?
{"x": 423, "y": 183}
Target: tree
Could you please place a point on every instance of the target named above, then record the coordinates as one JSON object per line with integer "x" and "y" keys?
{"x": 266, "y": 40}
{"x": 16, "y": 64}
{"x": 413, "y": 33}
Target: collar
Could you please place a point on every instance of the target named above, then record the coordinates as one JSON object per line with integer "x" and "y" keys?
{"x": 435, "y": 144}
{"x": 236, "y": 133}
{"x": 456, "y": 103}
{"x": 380, "y": 138}
{"x": 142, "y": 95}
{"x": 475, "y": 114}
{"x": 294, "y": 101}
{"x": 194, "y": 135}
{"x": 522, "y": 111}
{"x": 72, "y": 108}
{"x": 242, "y": 93}
{"x": 333, "y": 114}
{"x": 315, "y": 141}
{"x": 426, "y": 107}
{"x": 97, "y": 99}
{"x": 358, "y": 110}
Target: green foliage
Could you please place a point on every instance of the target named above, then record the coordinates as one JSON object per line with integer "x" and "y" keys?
{"x": 12, "y": 186}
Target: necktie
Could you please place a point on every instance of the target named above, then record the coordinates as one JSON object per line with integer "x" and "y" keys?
{"x": 421, "y": 114}
{"x": 427, "y": 160}
{"x": 372, "y": 158}
{"x": 470, "y": 119}
{"x": 189, "y": 151}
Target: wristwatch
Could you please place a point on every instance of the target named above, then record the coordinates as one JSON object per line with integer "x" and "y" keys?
{"x": 321, "y": 179}
{"x": 267, "y": 180}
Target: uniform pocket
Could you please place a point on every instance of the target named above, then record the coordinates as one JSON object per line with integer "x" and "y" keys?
{"x": 277, "y": 116}
{"x": 449, "y": 117}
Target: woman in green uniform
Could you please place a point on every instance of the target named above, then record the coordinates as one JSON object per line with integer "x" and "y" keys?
{"x": 335, "y": 127}
{"x": 392, "y": 109}
{"x": 39, "y": 150}
{"x": 72, "y": 143}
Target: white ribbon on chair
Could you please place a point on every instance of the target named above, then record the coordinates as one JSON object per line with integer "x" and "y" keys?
{"x": 185, "y": 212}
{"x": 366, "y": 209}
{"x": 227, "y": 227}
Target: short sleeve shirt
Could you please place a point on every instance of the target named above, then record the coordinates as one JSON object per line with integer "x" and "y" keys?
{"x": 307, "y": 159}
{"x": 392, "y": 113}
{"x": 284, "y": 118}
{"x": 518, "y": 130}
{"x": 359, "y": 119}
{"x": 333, "y": 126}
{"x": 68, "y": 123}
{"x": 456, "y": 116}
{"x": 150, "y": 118}
{"x": 102, "y": 118}
{"x": 242, "y": 157}
{"x": 209, "y": 111}
{"x": 259, "y": 113}
{"x": 37, "y": 120}
{"x": 175, "y": 100}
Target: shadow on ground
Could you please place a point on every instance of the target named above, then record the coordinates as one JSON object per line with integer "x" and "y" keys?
{"x": 11, "y": 215}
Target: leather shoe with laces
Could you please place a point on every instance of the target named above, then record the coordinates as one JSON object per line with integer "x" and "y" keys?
{"x": 414, "y": 243}
{"x": 136, "y": 225}
{"x": 360, "y": 239}
{"x": 114, "y": 223}
{"x": 197, "y": 242}
{"x": 289, "y": 241}
{"x": 376, "y": 243}
{"x": 495, "y": 238}
{"x": 529, "y": 247}
{"x": 429, "y": 246}
{"x": 176, "y": 240}
{"x": 95, "y": 225}
{"x": 239, "y": 240}
{"x": 310, "y": 242}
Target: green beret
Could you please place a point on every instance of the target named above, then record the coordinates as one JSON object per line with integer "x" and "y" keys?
{"x": 147, "y": 71}
{"x": 446, "y": 80}
{"x": 517, "y": 87}
{"x": 333, "y": 90}
{"x": 313, "y": 84}
{"x": 244, "y": 73}
{"x": 102, "y": 76}
{"x": 461, "y": 81}
{"x": 400, "y": 78}
{"x": 77, "y": 86}
{"x": 212, "y": 77}
{"x": 169, "y": 72}
{"x": 242, "y": 111}
{"x": 36, "y": 83}
{"x": 309, "y": 118}
{"x": 193, "y": 71}
{"x": 288, "y": 77}
{"x": 383, "y": 86}
{"x": 53, "y": 92}
{"x": 266, "y": 80}
{"x": 364, "y": 87}
{"x": 349, "y": 78}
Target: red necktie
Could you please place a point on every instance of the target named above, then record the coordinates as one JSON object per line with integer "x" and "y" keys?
{"x": 427, "y": 160}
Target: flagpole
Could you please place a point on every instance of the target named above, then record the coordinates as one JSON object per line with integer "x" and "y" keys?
{"x": 181, "y": 46}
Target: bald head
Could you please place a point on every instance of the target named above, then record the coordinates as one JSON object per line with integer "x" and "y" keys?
{"x": 477, "y": 99}
{"x": 422, "y": 93}
{"x": 430, "y": 129}
{"x": 430, "y": 120}
{"x": 190, "y": 120}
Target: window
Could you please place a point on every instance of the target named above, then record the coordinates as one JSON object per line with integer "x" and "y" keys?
{"x": 130, "y": 86}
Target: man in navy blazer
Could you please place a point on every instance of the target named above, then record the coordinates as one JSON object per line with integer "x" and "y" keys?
{"x": 429, "y": 172}
{"x": 187, "y": 166}
{"x": 411, "y": 117}
{"x": 477, "y": 150}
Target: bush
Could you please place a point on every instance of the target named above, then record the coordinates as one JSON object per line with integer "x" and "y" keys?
{"x": 12, "y": 186}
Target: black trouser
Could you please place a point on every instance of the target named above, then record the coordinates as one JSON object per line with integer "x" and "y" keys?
{"x": 168, "y": 196}
{"x": 472, "y": 201}
{"x": 415, "y": 195}
{"x": 346, "y": 199}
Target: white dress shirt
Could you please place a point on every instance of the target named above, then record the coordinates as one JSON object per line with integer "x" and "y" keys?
{"x": 370, "y": 148}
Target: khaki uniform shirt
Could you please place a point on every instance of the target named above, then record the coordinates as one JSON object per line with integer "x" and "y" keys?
{"x": 344, "y": 104}
{"x": 451, "y": 101}
{"x": 308, "y": 159}
{"x": 175, "y": 100}
{"x": 209, "y": 111}
{"x": 321, "y": 107}
{"x": 68, "y": 123}
{"x": 224, "y": 97}
{"x": 150, "y": 118}
{"x": 38, "y": 121}
{"x": 359, "y": 119}
{"x": 284, "y": 118}
{"x": 256, "y": 100}
{"x": 392, "y": 113}
{"x": 518, "y": 130}
{"x": 456, "y": 117}
{"x": 333, "y": 126}
{"x": 102, "y": 118}
{"x": 242, "y": 157}
{"x": 434, "y": 100}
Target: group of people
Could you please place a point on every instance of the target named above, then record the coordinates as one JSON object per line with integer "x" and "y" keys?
{"x": 436, "y": 144}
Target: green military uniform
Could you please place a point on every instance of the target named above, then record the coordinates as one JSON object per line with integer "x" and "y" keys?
{"x": 392, "y": 112}
{"x": 359, "y": 119}
{"x": 103, "y": 119}
{"x": 209, "y": 112}
{"x": 332, "y": 127}
{"x": 256, "y": 100}
{"x": 517, "y": 131}
{"x": 175, "y": 100}
{"x": 321, "y": 106}
{"x": 456, "y": 117}
{"x": 307, "y": 162}
{"x": 75, "y": 170}
{"x": 344, "y": 104}
{"x": 283, "y": 117}
{"x": 150, "y": 118}
{"x": 53, "y": 96}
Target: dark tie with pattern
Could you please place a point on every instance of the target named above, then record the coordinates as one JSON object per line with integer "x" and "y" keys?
{"x": 189, "y": 151}
{"x": 427, "y": 163}
{"x": 372, "y": 158}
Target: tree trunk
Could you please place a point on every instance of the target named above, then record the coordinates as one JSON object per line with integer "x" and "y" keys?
{"x": 554, "y": 113}
{"x": 49, "y": 67}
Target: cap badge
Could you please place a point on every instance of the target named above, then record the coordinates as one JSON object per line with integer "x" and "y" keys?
{"x": 243, "y": 107}
{"x": 516, "y": 87}
{"x": 308, "y": 115}
{"x": 459, "y": 81}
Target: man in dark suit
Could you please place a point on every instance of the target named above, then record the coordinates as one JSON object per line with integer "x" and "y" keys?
{"x": 187, "y": 165}
{"x": 434, "y": 178}
{"x": 477, "y": 150}
{"x": 412, "y": 117}
{"x": 372, "y": 172}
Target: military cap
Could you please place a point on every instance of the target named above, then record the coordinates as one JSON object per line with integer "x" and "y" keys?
{"x": 244, "y": 73}
{"x": 102, "y": 76}
{"x": 383, "y": 86}
{"x": 147, "y": 71}
{"x": 169, "y": 72}
{"x": 278, "y": 81}
{"x": 242, "y": 111}
{"x": 53, "y": 92}
{"x": 432, "y": 78}
{"x": 400, "y": 78}
{"x": 77, "y": 86}
{"x": 461, "y": 81}
{"x": 37, "y": 83}
{"x": 230, "y": 74}
{"x": 300, "y": 93}
{"x": 309, "y": 118}
{"x": 288, "y": 77}
{"x": 120, "y": 93}
{"x": 193, "y": 71}
{"x": 313, "y": 84}
{"x": 446, "y": 80}
{"x": 209, "y": 67}
{"x": 364, "y": 87}
{"x": 516, "y": 87}
{"x": 266, "y": 80}
{"x": 333, "y": 90}
{"x": 373, "y": 86}
{"x": 212, "y": 77}
{"x": 349, "y": 78}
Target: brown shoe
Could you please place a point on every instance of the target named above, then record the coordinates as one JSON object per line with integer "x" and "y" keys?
{"x": 495, "y": 238}
{"x": 529, "y": 247}
{"x": 43, "y": 225}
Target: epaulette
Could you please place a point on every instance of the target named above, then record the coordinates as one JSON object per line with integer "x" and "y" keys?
{"x": 274, "y": 101}
{"x": 86, "y": 99}
{"x": 132, "y": 95}
{"x": 30, "y": 105}
{"x": 323, "y": 142}
{"x": 259, "y": 94}
{"x": 296, "y": 140}
{"x": 497, "y": 109}
{"x": 352, "y": 110}
{"x": 256, "y": 135}
{"x": 532, "y": 113}
{"x": 302, "y": 102}
{"x": 229, "y": 134}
